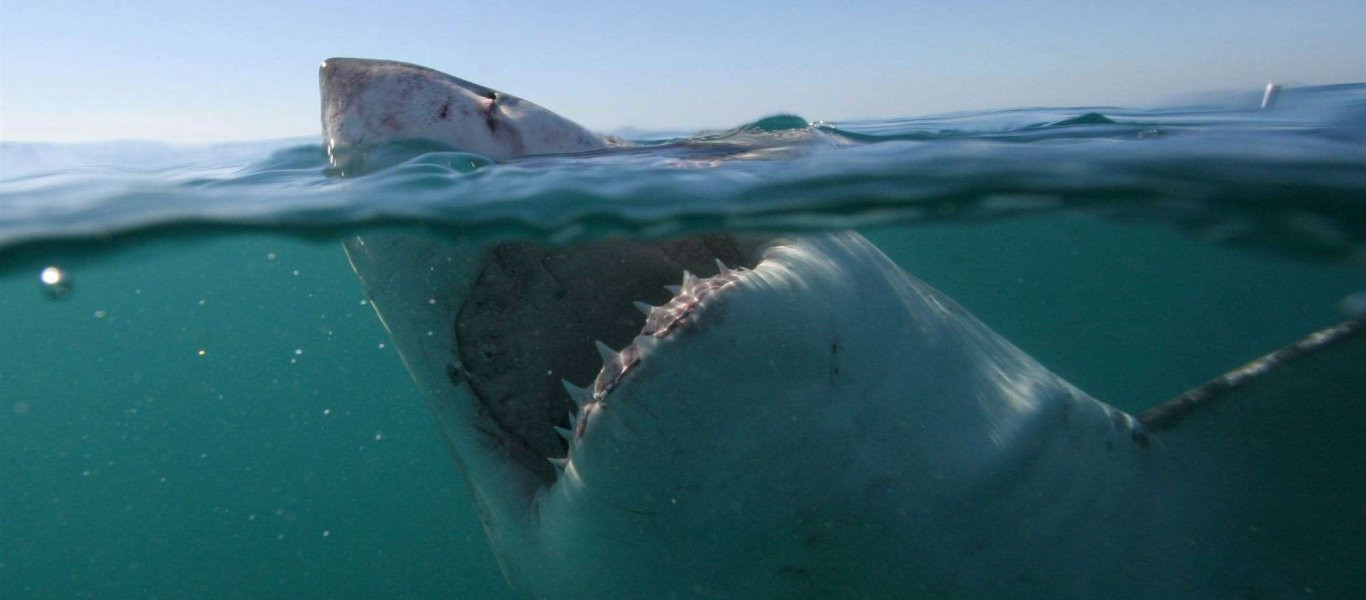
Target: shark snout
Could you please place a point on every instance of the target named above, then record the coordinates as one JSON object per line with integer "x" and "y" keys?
{"x": 338, "y": 81}
{"x": 368, "y": 103}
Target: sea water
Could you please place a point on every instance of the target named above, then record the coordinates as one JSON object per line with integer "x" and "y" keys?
{"x": 196, "y": 400}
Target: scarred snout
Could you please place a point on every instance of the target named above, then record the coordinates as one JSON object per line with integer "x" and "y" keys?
{"x": 367, "y": 103}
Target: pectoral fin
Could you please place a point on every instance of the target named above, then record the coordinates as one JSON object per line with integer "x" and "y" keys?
{"x": 1281, "y": 443}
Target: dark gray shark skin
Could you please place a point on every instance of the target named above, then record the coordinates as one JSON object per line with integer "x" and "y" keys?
{"x": 797, "y": 417}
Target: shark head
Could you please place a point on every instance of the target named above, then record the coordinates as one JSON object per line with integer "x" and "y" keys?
{"x": 678, "y": 415}
{"x": 747, "y": 416}
{"x": 366, "y": 103}
{"x": 625, "y": 410}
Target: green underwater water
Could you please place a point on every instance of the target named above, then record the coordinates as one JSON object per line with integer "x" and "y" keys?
{"x": 226, "y": 418}
{"x": 290, "y": 459}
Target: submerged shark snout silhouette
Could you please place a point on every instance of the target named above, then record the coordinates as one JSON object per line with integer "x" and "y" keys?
{"x": 797, "y": 417}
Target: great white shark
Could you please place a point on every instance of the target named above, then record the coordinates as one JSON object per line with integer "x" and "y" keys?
{"x": 797, "y": 417}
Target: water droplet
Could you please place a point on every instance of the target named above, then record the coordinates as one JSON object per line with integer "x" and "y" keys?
{"x": 56, "y": 282}
{"x": 51, "y": 275}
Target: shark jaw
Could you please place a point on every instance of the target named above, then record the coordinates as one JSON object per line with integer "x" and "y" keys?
{"x": 545, "y": 333}
{"x": 780, "y": 428}
{"x": 783, "y": 425}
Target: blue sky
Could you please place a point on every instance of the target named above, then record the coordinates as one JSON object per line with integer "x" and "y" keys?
{"x": 205, "y": 71}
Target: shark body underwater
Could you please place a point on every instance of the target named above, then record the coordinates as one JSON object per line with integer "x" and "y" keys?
{"x": 800, "y": 418}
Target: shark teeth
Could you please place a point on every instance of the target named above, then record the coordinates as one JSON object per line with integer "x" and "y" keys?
{"x": 606, "y": 352}
{"x": 721, "y": 268}
{"x": 660, "y": 322}
{"x": 579, "y": 395}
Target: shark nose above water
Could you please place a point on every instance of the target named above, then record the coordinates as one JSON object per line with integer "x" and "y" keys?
{"x": 368, "y": 103}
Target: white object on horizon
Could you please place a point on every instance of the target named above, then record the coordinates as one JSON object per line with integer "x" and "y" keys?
{"x": 1273, "y": 90}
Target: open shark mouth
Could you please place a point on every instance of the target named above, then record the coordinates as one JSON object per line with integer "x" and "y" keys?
{"x": 866, "y": 420}
{"x": 527, "y": 329}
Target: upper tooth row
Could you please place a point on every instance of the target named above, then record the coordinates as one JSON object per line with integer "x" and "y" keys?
{"x": 644, "y": 343}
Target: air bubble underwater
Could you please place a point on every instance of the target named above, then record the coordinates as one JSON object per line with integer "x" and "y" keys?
{"x": 56, "y": 282}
